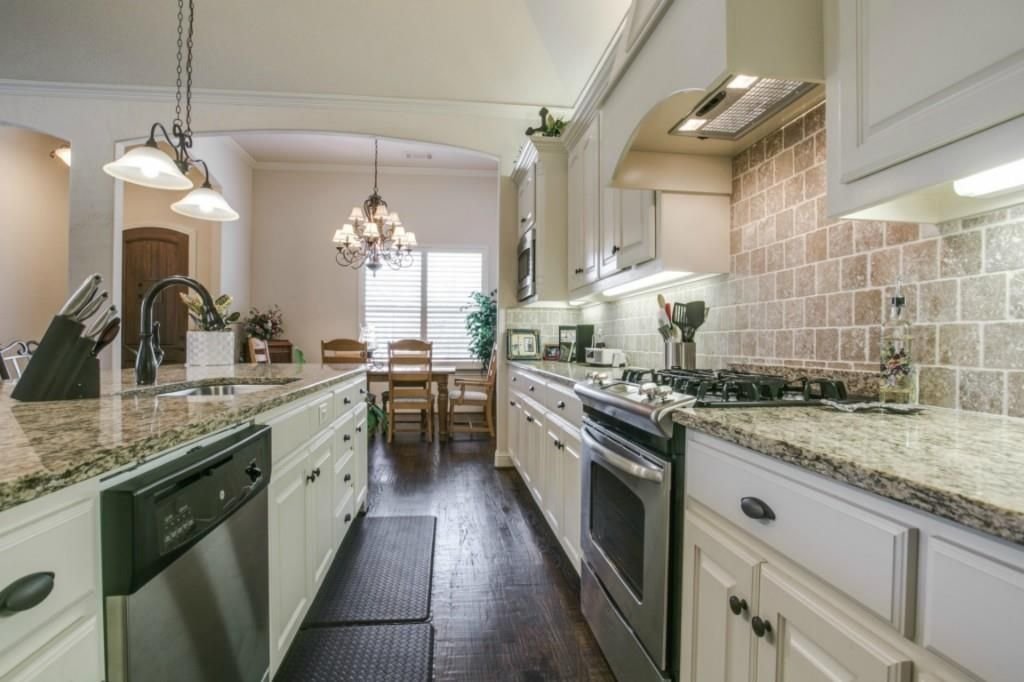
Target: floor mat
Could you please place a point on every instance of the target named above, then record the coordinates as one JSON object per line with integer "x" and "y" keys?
{"x": 358, "y": 653}
{"x": 382, "y": 576}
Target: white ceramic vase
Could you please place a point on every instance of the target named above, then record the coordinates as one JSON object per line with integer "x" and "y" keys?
{"x": 208, "y": 349}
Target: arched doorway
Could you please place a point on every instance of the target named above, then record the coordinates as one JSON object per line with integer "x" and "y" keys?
{"x": 150, "y": 254}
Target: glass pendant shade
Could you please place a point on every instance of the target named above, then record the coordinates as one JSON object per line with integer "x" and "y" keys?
{"x": 63, "y": 153}
{"x": 205, "y": 203}
{"x": 150, "y": 167}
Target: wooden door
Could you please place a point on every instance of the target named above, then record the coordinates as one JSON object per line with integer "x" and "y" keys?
{"x": 811, "y": 640}
{"x": 149, "y": 254}
{"x": 721, "y": 577}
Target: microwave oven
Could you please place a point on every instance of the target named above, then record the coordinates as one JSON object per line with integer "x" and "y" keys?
{"x": 526, "y": 253}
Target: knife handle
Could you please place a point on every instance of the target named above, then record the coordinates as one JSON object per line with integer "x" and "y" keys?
{"x": 82, "y": 295}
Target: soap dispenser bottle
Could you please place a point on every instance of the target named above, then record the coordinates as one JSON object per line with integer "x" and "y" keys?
{"x": 898, "y": 372}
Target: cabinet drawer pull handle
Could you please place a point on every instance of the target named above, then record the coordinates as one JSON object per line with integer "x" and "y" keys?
{"x": 362, "y": 391}
{"x": 756, "y": 509}
{"x": 515, "y": 378}
{"x": 348, "y": 517}
{"x": 560, "y": 404}
{"x": 529, "y": 419}
{"x": 512, "y": 403}
{"x": 26, "y": 592}
{"x": 532, "y": 389}
{"x": 737, "y": 605}
{"x": 348, "y": 477}
{"x": 760, "y": 626}
{"x": 346, "y": 400}
{"x": 359, "y": 429}
{"x": 346, "y": 437}
{"x": 615, "y": 249}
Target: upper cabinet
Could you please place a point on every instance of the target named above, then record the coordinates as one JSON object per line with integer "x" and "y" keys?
{"x": 584, "y": 209}
{"x": 628, "y": 224}
{"x": 527, "y": 199}
{"x": 542, "y": 180}
{"x": 921, "y": 93}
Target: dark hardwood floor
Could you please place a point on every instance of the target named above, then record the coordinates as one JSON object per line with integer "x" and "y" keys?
{"x": 505, "y": 603}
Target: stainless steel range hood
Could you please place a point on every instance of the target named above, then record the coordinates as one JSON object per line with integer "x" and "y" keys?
{"x": 738, "y": 105}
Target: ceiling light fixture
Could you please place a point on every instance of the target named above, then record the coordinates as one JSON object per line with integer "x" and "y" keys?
{"x": 996, "y": 180}
{"x": 63, "y": 153}
{"x": 150, "y": 166}
{"x": 373, "y": 236}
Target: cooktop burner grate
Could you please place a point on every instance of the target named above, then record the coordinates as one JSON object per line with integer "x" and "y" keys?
{"x": 741, "y": 389}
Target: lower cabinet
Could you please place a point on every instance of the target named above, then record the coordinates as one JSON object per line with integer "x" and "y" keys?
{"x": 320, "y": 509}
{"x": 571, "y": 493}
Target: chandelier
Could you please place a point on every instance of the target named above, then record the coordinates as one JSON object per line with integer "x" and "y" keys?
{"x": 373, "y": 236}
{"x": 149, "y": 166}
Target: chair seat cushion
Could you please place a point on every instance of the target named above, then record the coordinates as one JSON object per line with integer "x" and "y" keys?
{"x": 468, "y": 394}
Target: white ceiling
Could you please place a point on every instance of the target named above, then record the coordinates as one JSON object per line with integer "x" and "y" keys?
{"x": 357, "y": 150}
{"x": 505, "y": 51}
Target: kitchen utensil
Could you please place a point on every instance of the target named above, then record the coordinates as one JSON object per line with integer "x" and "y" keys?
{"x": 91, "y": 307}
{"x": 94, "y": 329}
{"x": 696, "y": 314}
{"x": 81, "y": 296}
{"x": 664, "y": 325}
{"x": 109, "y": 333}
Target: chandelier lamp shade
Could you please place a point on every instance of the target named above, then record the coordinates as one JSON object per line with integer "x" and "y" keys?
{"x": 150, "y": 166}
{"x": 373, "y": 236}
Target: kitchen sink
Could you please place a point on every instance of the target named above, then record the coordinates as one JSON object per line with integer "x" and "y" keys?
{"x": 217, "y": 390}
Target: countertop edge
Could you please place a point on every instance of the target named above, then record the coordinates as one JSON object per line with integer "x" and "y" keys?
{"x": 33, "y": 486}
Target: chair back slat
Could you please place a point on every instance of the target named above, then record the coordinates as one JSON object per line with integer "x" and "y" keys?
{"x": 410, "y": 364}
{"x": 259, "y": 351}
{"x": 343, "y": 351}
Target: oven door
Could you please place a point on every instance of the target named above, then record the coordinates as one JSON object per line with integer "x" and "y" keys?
{"x": 527, "y": 276}
{"x": 626, "y": 523}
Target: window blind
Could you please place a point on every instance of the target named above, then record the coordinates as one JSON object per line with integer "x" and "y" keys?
{"x": 392, "y": 303}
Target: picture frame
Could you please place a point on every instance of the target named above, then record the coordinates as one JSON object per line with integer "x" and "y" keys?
{"x": 522, "y": 344}
{"x": 552, "y": 352}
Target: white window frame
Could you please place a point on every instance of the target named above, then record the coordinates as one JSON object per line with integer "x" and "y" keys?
{"x": 486, "y": 285}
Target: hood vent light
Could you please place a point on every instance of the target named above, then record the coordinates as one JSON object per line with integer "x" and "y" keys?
{"x": 741, "y": 105}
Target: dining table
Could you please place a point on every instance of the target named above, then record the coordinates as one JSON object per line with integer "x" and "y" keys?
{"x": 439, "y": 375}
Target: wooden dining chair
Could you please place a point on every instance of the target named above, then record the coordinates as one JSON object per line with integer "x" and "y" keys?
{"x": 343, "y": 352}
{"x": 475, "y": 395}
{"x": 410, "y": 385}
{"x": 259, "y": 351}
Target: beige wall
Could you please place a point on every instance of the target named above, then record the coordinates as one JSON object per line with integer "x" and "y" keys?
{"x": 33, "y": 233}
{"x": 295, "y": 214}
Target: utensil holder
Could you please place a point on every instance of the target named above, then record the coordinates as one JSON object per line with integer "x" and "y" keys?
{"x": 62, "y": 368}
{"x": 680, "y": 355}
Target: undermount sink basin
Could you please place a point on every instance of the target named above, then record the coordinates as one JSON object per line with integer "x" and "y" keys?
{"x": 219, "y": 390}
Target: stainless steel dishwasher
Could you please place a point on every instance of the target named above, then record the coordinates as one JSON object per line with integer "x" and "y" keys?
{"x": 185, "y": 566}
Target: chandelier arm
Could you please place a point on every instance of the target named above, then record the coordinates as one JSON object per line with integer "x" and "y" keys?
{"x": 206, "y": 172}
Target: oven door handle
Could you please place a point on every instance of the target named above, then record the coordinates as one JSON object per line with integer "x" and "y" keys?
{"x": 624, "y": 464}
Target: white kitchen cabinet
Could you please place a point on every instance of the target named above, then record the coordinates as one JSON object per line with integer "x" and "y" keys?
{"x": 536, "y": 424}
{"x": 570, "y": 497}
{"x": 584, "y": 209}
{"x": 71, "y": 657}
{"x": 810, "y": 640}
{"x": 910, "y": 114}
{"x": 289, "y": 554}
{"x": 628, "y": 224}
{"x": 514, "y": 420}
{"x": 551, "y": 477}
{"x": 361, "y": 467}
{"x": 320, "y": 510}
{"x": 720, "y": 598}
{"x": 527, "y": 199}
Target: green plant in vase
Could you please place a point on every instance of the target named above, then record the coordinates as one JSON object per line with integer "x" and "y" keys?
{"x": 482, "y": 324}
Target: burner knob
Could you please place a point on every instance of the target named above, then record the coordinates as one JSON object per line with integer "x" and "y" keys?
{"x": 664, "y": 392}
{"x": 649, "y": 389}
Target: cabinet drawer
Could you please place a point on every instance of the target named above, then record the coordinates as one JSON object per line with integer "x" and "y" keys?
{"x": 348, "y": 396}
{"x": 288, "y": 430}
{"x": 74, "y": 656}
{"x": 56, "y": 536}
{"x": 870, "y": 557}
{"x": 531, "y": 386}
{"x": 562, "y": 402}
{"x": 344, "y": 493}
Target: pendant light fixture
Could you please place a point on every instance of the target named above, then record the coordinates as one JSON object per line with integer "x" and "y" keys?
{"x": 150, "y": 166}
{"x": 373, "y": 236}
{"x": 63, "y": 153}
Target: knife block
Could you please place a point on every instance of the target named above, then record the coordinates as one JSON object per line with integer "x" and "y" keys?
{"x": 62, "y": 368}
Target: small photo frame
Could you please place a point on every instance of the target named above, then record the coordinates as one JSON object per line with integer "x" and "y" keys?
{"x": 552, "y": 351}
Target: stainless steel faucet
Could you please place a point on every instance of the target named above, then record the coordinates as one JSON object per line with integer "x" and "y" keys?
{"x": 150, "y": 354}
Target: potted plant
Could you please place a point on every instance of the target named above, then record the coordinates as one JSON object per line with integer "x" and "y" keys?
{"x": 264, "y": 325}
{"x": 481, "y": 323}
{"x": 207, "y": 347}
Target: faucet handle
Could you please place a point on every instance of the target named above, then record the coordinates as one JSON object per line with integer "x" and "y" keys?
{"x": 158, "y": 352}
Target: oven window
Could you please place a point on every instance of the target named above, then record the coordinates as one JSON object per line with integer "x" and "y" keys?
{"x": 617, "y": 525}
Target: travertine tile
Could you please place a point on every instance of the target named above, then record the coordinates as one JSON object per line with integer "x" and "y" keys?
{"x": 867, "y": 307}
{"x": 774, "y": 198}
{"x": 804, "y": 280}
{"x": 764, "y": 176}
{"x": 794, "y": 190}
{"x": 1017, "y": 295}
{"x": 937, "y": 386}
{"x": 756, "y": 152}
{"x": 840, "y": 240}
{"x": 757, "y": 261}
{"x": 854, "y": 272}
{"x": 814, "y": 180}
{"x": 803, "y": 344}
{"x": 757, "y": 206}
{"x": 784, "y": 224}
{"x": 868, "y": 235}
{"x": 783, "y": 347}
{"x": 793, "y": 133}
{"x": 783, "y": 165}
{"x": 794, "y": 313}
{"x": 803, "y": 155}
{"x": 885, "y": 267}
{"x": 773, "y": 144}
{"x": 960, "y": 345}
{"x": 853, "y": 344}
{"x": 784, "y": 284}
{"x": 816, "y": 311}
{"x": 983, "y": 298}
{"x": 820, "y": 148}
{"x": 817, "y": 245}
{"x": 981, "y": 391}
{"x": 775, "y": 314}
{"x": 805, "y": 217}
{"x": 1015, "y": 394}
{"x": 1004, "y": 247}
{"x": 900, "y": 233}
{"x": 840, "y": 309}
{"x": 937, "y": 301}
{"x": 795, "y": 251}
{"x": 920, "y": 261}
{"x": 826, "y": 344}
{"x": 827, "y": 276}
{"x": 775, "y": 256}
{"x": 925, "y": 343}
{"x": 990, "y": 218}
{"x": 814, "y": 120}
{"x": 1004, "y": 345}
{"x": 961, "y": 254}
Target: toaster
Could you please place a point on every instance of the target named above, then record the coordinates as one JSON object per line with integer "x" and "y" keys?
{"x": 606, "y": 357}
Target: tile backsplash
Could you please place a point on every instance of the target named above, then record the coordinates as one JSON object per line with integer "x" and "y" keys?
{"x": 808, "y": 291}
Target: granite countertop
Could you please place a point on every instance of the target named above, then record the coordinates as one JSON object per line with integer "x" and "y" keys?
{"x": 563, "y": 372}
{"x": 962, "y": 466}
{"x": 48, "y": 446}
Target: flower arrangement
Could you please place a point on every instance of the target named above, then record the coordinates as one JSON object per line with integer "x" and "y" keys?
{"x": 265, "y": 325}
{"x": 195, "y": 307}
{"x": 549, "y": 125}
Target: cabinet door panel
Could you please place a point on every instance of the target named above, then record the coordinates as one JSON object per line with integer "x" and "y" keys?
{"x": 637, "y": 227}
{"x": 900, "y": 98}
{"x": 584, "y": 208}
{"x": 538, "y": 450}
{"x": 813, "y": 641}
{"x": 72, "y": 657}
{"x": 361, "y": 467}
{"x": 571, "y": 495}
{"x": 574, "y": 247}
{"x": 717, "y": 643}
{"x": 528, "y": 199}
{"x": 289, "y": 556}
{"x": 320, "y": 516}
{"x": 552, "y": 480}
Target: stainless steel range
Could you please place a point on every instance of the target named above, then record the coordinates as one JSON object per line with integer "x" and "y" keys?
{"x": 632, "y": 498}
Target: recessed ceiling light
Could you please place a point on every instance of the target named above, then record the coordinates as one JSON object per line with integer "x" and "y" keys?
{"x": 993, "y": 181}
{"x": 741, "y": 82}
{"x": 691, "y": 124}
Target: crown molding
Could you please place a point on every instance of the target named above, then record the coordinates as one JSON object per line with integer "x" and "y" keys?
{"x": 506, "y": 110}
{"x": 239, "y": 149}
{"x": 284, "y": 166}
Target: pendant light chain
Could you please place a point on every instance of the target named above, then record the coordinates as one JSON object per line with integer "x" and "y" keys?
{"x": 188, "y": 71}
{"x": 177, "y": 95}
{"x": 375, "y": 153}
